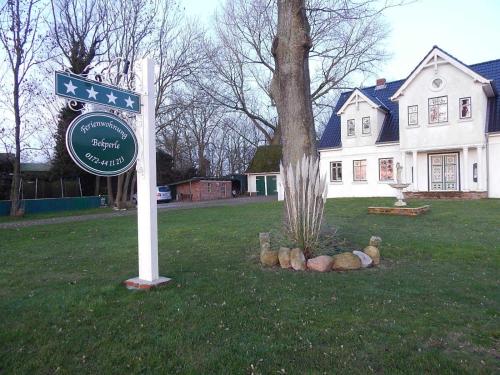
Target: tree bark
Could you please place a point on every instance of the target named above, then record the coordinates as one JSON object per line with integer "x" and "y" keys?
{"x": 291, "y": 82}
{"x": 126, "y": 185}
{"x": 14, "y": 188}
{"x": 276, "y": 139}
{"x": 109, "y": 183}
{"x": 16, "y": 175}
{"x": 97, "y": 189}
{"x": 202, "y": 161}
{"x": 134, "y": 181}
{"x": 119, "y": 191}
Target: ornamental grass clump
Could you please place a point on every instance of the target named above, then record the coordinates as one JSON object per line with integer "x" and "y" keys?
{"x": 305, "y": 196}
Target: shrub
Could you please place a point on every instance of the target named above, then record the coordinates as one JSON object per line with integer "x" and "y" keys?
{"x": 305, "y": 196}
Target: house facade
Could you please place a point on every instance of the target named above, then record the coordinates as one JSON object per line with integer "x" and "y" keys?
{"x": 441, "y": 124}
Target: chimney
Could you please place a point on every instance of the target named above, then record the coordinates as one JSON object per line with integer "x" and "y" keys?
{"x": 380, "y": 84}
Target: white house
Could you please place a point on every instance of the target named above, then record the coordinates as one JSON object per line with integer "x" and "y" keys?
{"x": 441, "y": 123}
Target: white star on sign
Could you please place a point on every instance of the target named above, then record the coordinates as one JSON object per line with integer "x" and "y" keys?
{"x": 129, "y": 102}
{"x": 111, "y": 98}
{"x": 70, "y": 88}
{"x": 92, "y": 93}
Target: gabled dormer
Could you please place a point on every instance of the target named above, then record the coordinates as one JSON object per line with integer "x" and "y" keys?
{"x": 358, "y": 97}
{"x": 372, "y": 102}
{"x": 433, "y": 61}
{"x": 443, "y": 102}
{"x": 364, "y": 115}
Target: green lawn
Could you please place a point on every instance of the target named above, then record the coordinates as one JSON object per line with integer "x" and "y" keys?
{"x": 49, "y": 215}
{"x": 431, "y": 307}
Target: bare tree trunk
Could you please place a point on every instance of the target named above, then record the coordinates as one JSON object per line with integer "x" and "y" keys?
{"x": 97, "y": 185}
{"x": 14, "y": 188}
{"x": 16, "y": 176}
{"x": 291, "y": 82}
{"x": 109, "y": 182}
{"x": 125, "y": 187}
{"x": 119, "y": 191}
{"x": 276, "y": 139}
{"x": 132, "y": 186}
{"x": 201, "y": 160}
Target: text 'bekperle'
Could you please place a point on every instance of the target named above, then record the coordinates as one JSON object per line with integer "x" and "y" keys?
{"x": 105, "y": 145}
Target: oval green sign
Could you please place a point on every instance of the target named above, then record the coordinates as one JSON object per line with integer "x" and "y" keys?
{"x": 101, "y": 143}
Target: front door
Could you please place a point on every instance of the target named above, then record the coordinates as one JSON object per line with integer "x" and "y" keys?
{"x": 444, "y": 173}
{"x": 271, "y": 185}
{"x": 260, "y": 185}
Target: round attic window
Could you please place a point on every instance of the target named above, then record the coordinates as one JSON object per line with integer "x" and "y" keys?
{"x": 437, "y": 84}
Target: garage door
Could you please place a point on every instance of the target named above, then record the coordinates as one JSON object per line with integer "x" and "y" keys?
{"x": 271, "y": 185}
{"x": 260, "y": 185}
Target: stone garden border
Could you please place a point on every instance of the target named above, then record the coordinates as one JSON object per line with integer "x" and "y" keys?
{"x": 399, "y": 211}
{"x": 294, "y": 259}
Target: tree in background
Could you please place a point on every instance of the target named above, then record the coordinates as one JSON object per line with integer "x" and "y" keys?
{"x": 22, "y": 42}
{"x": 77, "y": 32}
{"x": 202, "y": 121}
{"x": 232, "y": 68}
{"x": 159, "y": 30}
{"x": 166, "y": 173}
{"x": 346, "y": 38}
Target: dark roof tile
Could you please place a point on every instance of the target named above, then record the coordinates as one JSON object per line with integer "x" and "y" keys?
{"x": 266, "y": 159}
{"x": 491, "y": 71}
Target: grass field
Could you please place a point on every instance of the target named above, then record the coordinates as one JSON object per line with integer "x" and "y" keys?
{"x": 49, "y": 215}
{"x": 431, "y": 307}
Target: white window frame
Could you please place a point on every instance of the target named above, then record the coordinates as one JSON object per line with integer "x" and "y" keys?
{"x": 338, "y": 168}
{"x": 468, "y": 105}
{"x": 363, "y": 126}
{"x": 353, "y": 122}
{"x": 438, "y": 106}
{"x": 413, "y": 113}
{"x": 362, "y": 164}
{"x": 380, "y": 169}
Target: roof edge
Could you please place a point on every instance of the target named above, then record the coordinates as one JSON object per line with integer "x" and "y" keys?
{"x": 453, "y": 60}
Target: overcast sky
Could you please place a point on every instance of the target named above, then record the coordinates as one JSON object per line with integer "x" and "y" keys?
{"x": 467, "y": 29}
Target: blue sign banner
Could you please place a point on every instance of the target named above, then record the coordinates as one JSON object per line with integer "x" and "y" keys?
{"x": 81, "y": 89}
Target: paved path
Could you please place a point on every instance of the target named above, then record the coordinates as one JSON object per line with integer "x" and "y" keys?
{"x": 161, "y": 207}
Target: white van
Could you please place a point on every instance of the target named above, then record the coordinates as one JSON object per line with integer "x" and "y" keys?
{"x": 163, "y": 194}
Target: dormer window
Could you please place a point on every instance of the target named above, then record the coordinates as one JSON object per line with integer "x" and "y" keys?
{"x": 366, "y": 129}
{"x": 438, "y": 110}
{"x": 351, "y": 128}
{"x": 465, "y": 110}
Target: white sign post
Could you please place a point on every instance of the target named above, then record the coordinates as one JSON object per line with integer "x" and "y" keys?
{"x": 146, "y": 187}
